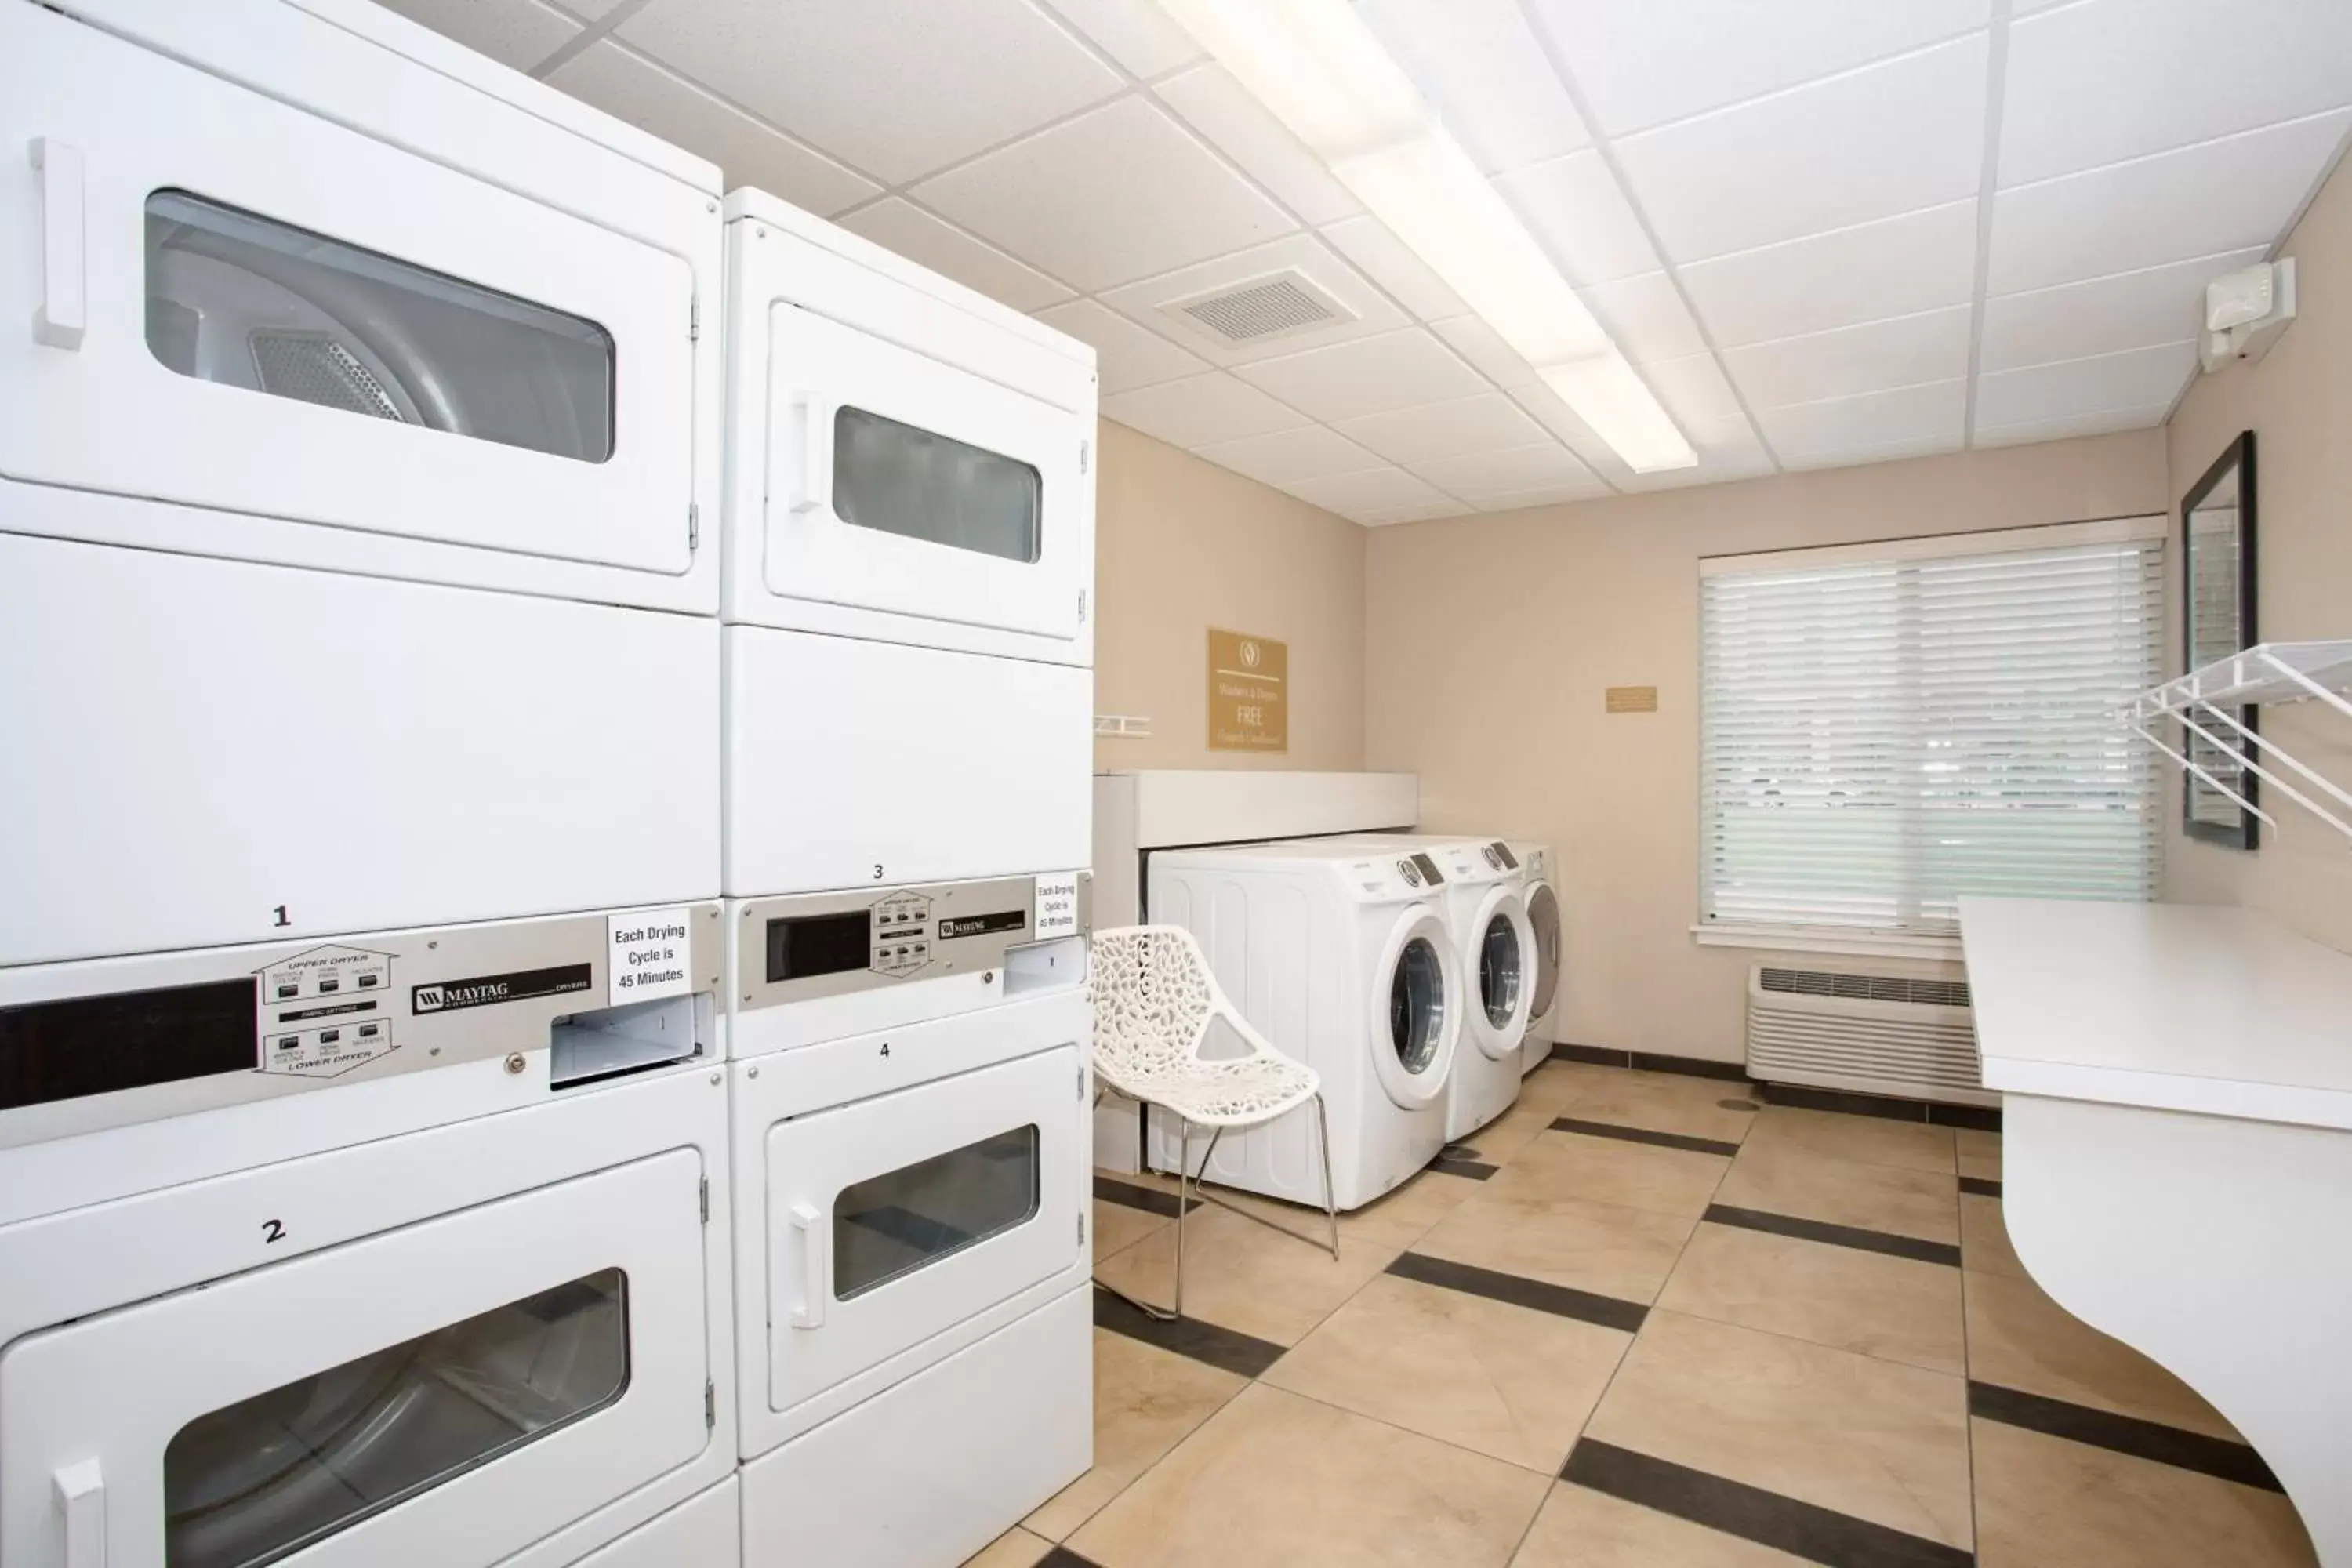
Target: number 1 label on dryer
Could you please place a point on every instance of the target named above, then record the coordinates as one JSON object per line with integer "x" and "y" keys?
{"x": 1057, "y": 905}
{"x": 646, "y": 953}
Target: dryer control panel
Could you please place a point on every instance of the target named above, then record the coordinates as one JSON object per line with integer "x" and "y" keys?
{"x": 824, "y": 944}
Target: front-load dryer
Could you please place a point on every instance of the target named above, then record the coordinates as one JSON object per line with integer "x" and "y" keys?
{"x": 1340, "y": 954}
{"x": 359, "y": 442}
{"x": 910, "y": 552}
{"x": 1539, "y": 891}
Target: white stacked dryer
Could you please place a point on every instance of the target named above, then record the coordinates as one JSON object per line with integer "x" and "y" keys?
{"x": 1539, "y": 892}
{"x": 909, "y": 695}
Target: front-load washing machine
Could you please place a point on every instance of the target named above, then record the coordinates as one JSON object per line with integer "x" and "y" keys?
{"x": 909, "y": 525}
{"x": 407, "y": 1249}
{"x": 1488, "y": 918}
{"x": 1538, "y": 890}
{"x": 359, "y": 424}
{"x": 1340, "y": 956}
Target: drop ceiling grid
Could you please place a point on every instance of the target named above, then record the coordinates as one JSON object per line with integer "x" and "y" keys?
{"x": 2097, "y": 202}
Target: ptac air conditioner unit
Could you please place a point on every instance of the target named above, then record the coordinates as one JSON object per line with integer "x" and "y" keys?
{"x": 1871, "y": 1034}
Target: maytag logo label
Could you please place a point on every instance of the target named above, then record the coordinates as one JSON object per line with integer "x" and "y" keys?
{"x": 489, "y": 990}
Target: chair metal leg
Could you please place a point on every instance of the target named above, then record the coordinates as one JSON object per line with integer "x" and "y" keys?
{"x": 1175, "y": 1311}
{"x": 1330, "y": 1215}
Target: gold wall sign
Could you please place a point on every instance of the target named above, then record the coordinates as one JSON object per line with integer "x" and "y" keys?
{"x": 1633, "y": 700}
{"x": 1249, "y": 693}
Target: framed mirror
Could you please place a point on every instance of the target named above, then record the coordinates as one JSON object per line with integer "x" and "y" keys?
{"x": 2217, "y": 566}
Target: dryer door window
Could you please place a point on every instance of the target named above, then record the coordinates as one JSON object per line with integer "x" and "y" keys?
{"x": 1417, "y": 1005}
{"x": 888, "y": 1226}
{"x": 920, "y": 485}
{"x": 276, "y": 1472}
{"x": 1543, "y": 917}
{"x": 1499, "y": 970}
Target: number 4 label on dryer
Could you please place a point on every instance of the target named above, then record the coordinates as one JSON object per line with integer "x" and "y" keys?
{"x": 647, "y": 955}
{"x": 1058, "y": 905}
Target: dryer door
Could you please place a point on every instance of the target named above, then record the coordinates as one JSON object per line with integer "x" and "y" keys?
{"x": 1504, "y": 948}
{"x": 446, "y": 1393}
{"x": 1543, "y": 925}
{"x": 228, "y": 303}
{"x": 1416, "y": 1008}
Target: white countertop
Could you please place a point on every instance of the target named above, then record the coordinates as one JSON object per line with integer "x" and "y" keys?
{"x": 2190, "y": 1007}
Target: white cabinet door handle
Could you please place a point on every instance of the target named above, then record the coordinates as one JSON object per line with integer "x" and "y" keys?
{"x": 816, "y": 1267}
{"x": 816, "y": 453}
{"x": 63, "y": 313}
{"x": 81, "y": 1496}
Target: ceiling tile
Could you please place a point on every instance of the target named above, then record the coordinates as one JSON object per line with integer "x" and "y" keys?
{"x": 623, "y": 82}
{"x": 2100, "y": 424}
{"x": 2219, "y": 195}
{"x": 2103, "y": 315}
{"x": 2110, "y": 79}
{"x": 1646, "y": 318}
{"x": 1367, "y": 242}
{"x": 1115, "y": 195}
{"x": 1200, "y": 409}
{"x": 1395, "y": 370}
{"x": 1148, "y": 302}
{"x": 1374, "y": 490}
{"x": 1487, "y": 423}
{"x": 1871, "y": 144}
{"x": 1873, "y": 357}
{"x": 1482, "y": 66}
{"x": 1388, "y": 517}
{"x": 899, "y": 225}
{"x": 1876, "y": 452}
{"x": 1483, "y": 347}
{"x": 1313, "y": 452}
{"x": 2133, "y": 379}
{"x": 1474, "y": 476}
{"x": 1546, "y": 495}
{"x": 1551, "y": 410}
{"x": 819, "y": 68}
{"x": 1897, "y": 266}
{"x": 1126, "y": 356}
{"x": 1693, "y": 389}
{"x": 1644, "y": 62}
{"x": 518, "y": 33}
{"x": 1573, "y": 206}
{"x": 1237, "y": 125}
{"x": 1137, "y": 34}
{"x": 1924, "y": 414}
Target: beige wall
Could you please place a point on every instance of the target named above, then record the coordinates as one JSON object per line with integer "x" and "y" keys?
{"x": 1490, "y": 640}
{"x": 2298, "y": 404}
{"x": 1183, "y": 546}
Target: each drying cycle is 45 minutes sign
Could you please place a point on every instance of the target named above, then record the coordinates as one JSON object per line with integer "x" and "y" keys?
{"x": 647, "y": 955}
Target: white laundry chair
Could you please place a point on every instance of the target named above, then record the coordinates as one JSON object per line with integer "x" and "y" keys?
{"x": 1154, "y": 1002}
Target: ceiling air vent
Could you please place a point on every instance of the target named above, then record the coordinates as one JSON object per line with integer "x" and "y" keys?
{"x": 1262, "y": 308}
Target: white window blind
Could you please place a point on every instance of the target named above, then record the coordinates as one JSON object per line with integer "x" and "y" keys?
{"x": 1881, "y": 735}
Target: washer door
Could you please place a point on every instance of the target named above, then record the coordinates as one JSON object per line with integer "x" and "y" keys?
{"x": 1543, "y": 921}
{"x": 1416, "y": 1010}
{"x": 1503, "y": 945}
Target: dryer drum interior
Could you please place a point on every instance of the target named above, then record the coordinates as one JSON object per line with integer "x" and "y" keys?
{"x": 1499, "y": 969}
{"x": 1417, "y": 1005}
{"x": 1543, "y": 919}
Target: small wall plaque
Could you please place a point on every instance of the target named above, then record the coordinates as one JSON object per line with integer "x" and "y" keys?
{"x": 1249, "y": 693}
{"x": 1633, "y": 700}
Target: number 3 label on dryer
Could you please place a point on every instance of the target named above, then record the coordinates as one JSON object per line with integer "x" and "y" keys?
{"x": 1057, "y": 905}
{"x": 646, "y": 953}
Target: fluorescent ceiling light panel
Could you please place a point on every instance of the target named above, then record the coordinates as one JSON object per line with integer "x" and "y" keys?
{"x": 1323, "y": 74}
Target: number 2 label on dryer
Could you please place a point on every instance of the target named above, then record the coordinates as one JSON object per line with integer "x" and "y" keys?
{"x": 1057, "y": 905}
{"x": 646, "y": 954}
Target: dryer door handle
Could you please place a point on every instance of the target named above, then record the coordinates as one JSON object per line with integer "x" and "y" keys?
{"x": 63, "y": 314}
{"x": 816, "y": 1267}
{"x": 82, "y": 1496}
{"x": 816, "y": 452}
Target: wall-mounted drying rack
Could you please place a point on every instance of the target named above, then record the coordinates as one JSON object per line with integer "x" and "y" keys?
{"x": 2265, "y": 675}
{"x": 1135, "y": 726}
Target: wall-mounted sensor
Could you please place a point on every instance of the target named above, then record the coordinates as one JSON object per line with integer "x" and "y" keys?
{"x": 2245, "y": 311}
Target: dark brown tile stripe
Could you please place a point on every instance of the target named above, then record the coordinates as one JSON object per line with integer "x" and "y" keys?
{"x": 1560, "y": 1301}
{"x": 1644, "y": 1135}
{"x": 1063, "y": 1557}
{"x": 2123, "y": 1434}
{"x": 1650, "y": 1062}
{"x": 1235, "y": 1352}
{"x": 1981, "y": 1186}
{"x": 1980, "y": 1117}
{"x": 1802, "y": 1529}
{"x": 1151, "y": 1200}
{"x": 1855, "y": 1237}
{"x": 1451, "y": 1165}
{"x": 1887, "y": 1108}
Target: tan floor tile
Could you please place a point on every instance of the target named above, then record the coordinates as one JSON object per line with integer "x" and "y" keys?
{"x": 1977, "y": 1167}
{"x": 1508, "y": 1137}
{"x": 2044, "y": 1503}
{"x": 1867, "y": 1139}
{"x": 1984, "y": 1239}
{"x": 1398, "y": 1217}
{"x": 1980, "y": 1153}
{"x": 1559, "y": 1083}
{"x": 1016, "y": 1548}
{"x": 1789, "y": 1181}
{"x": 1279, "y": 1480}
{"x": 1502, "y": 1380}
{"x": 1668, "y": 1102}
{"x": 1616, "y": 1171}
{"x": 1244, "y": 1276}
{"x": 1898, "y": 1308}
{"x": 1581, "y": 1528}
{"x": 1525, "y": 1227}
{"x": 2020, "y": 1338}
{"x": 1146, "y": 1400}
{"x": 1874, "y": 1439}
{"x": 1117, "y": 1226}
